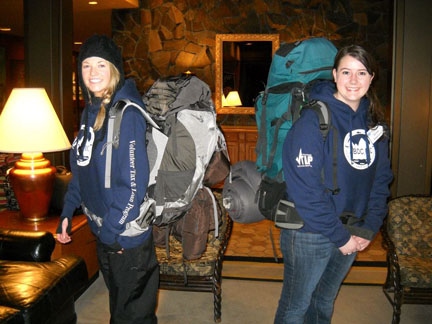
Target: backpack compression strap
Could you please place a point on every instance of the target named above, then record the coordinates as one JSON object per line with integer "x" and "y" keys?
{"x": 113, "y": 132}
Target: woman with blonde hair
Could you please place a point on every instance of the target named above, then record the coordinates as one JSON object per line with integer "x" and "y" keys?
{"x": 127, "y": 260}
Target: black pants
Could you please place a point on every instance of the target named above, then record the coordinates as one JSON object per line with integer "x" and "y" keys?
{"x": 132, "y": 279}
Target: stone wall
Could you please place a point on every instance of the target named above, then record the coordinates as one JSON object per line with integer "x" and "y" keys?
{"x": 167, "y": 37}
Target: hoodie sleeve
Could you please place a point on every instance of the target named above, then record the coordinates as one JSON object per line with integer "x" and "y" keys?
{"x": 72, "y": 198}
{"x": 129, "y": 177}
{"x": 303, "y": 160}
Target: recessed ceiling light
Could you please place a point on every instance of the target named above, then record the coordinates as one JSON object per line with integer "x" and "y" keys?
{"x": 5, "y": 29}
{"x": 92, "y": 2}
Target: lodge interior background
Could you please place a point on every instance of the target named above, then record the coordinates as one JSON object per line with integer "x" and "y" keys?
{"x": 167, "y": 37}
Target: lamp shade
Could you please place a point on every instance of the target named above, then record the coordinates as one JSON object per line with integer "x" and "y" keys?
{"x": 224, "y": 103}
{"x": 233, "y": 99}
{"x": 29, "y": 123}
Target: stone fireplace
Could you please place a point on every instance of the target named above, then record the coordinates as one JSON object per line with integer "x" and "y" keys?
{"x": 165, "y": 37}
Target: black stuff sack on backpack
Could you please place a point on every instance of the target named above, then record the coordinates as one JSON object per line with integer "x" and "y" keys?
{"x": 269, "y": 193}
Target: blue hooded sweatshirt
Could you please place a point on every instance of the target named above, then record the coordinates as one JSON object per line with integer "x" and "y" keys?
{"x": 363, "y": 170}
{"x": 119, "y": 204}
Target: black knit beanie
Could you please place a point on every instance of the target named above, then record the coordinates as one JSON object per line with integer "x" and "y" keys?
{"x": 104, "y": 47}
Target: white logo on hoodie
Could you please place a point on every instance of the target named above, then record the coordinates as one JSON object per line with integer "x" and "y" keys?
{"x": 304, "y": 160}
{"x": 358, "y": 150}
{"x": 84, "y": 158}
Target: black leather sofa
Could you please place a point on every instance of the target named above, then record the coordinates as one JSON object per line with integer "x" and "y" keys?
{"x": 34, "y": 289}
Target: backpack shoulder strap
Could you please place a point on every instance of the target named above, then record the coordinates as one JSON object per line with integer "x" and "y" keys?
{"x": 323, "y": 113}
{"x": 113, "y": 131}
{"x": 324, "y": 116}
{"x": 116, "y": 115}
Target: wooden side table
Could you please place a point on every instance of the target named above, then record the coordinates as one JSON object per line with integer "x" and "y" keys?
{"x": 83, "y": 241}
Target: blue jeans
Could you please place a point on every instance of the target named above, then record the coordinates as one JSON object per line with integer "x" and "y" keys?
{"x": 314, "y": 269}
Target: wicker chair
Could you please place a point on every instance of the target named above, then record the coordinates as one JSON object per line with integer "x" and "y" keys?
{"x": 408, "y": 238}
{"x": 201, "y": 275}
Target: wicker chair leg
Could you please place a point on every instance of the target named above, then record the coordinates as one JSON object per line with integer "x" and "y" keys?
{"x": 396, "y": 317}
{"x": 397, "y": 305}
{"x": 217, "y": 298}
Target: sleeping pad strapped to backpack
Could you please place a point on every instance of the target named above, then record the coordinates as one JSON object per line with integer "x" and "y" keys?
{"x": 294, "y": 69}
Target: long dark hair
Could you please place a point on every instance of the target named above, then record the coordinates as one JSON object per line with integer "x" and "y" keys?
{"x": 376, "y": 112}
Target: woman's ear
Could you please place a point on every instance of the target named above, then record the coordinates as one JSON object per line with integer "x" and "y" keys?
{"x": 334, "y": 74}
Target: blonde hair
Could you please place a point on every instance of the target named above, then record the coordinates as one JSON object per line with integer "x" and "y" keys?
{"x": 106, "y": 98}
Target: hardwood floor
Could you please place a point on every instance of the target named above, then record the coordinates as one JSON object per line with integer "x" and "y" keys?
{"x": 253, "y": 252}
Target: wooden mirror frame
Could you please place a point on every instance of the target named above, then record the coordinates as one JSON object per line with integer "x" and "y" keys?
{"x": 220, "y": 38}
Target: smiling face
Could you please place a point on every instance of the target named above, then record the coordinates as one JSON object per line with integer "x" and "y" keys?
{"x": 352, "y": 81}
{"x": 96, "y": 74}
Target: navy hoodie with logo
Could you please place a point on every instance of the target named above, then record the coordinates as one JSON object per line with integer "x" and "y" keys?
{"x": 363, "y": 170}
{"x": 129, "y": 172}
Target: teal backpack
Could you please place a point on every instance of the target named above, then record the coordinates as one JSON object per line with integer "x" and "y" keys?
{"x": 294, "y": 69}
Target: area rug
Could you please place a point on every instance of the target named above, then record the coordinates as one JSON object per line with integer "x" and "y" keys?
{"x": 253, "y": 253}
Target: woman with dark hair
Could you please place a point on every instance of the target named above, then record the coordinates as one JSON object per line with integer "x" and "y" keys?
{"x": 127, "y": 258}
{"x": 338, "y": 222}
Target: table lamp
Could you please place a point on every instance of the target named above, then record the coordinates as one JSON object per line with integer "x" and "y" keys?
{"x": 233, "y": 99}
{"x": 29, "y": 125}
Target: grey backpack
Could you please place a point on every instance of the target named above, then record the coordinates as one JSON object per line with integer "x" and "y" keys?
{"x": 182, "y": 136}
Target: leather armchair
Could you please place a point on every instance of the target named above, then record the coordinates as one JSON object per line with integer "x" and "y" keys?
{"x": 34, "y": 289}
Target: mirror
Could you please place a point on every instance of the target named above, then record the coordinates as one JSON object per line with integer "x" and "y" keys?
{"x": 242, "y": 64}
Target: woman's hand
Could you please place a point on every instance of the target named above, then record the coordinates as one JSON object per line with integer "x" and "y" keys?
{"x": 64, "y": 237}
{"x": 364, "y": 243}
{"x": 350, "y": 247}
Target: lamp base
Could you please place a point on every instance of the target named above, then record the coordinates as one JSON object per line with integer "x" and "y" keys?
{"x": 32, "y": 181}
